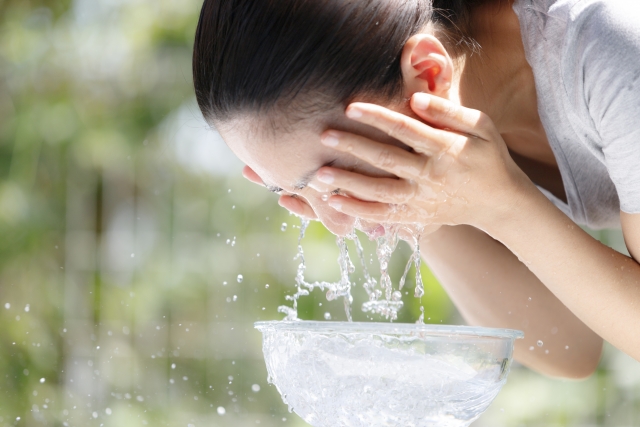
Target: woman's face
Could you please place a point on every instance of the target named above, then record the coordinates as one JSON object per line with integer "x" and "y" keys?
{"x": 287, "y": 161}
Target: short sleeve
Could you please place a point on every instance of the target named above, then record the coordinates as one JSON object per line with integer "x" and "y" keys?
{"x": 608, "y": 42}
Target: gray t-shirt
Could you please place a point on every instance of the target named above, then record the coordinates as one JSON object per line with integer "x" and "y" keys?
{"x": 585, "y": 56}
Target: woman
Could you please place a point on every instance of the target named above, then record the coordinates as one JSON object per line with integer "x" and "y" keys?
{"x": 495, "y": 125}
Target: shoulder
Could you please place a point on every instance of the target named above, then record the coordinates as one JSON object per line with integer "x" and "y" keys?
{"x": 602, "y": 65}
{"x": 604, "y": 31}
{"x": 598, "y": 19}
{"x": 573, "y": 27}
{"x": 602, "y": 50}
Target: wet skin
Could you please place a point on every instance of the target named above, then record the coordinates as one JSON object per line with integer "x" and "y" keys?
{"x": 289, "y": 163}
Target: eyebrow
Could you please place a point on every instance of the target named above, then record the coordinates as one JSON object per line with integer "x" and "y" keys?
{"x": 304, "y": 179}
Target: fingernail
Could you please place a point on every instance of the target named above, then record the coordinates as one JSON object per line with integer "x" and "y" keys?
{"x": 336, "y": 204}
{"x": 353, "y": 113}
{"x": 326, "y": 177}
{"x": 330, "y": 139}
{"x": 421, "y": 100}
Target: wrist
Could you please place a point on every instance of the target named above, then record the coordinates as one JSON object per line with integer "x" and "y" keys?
{"x": 510, "y": 204}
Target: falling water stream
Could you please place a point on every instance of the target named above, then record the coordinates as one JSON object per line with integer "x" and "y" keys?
{"x": 383, "y": 298}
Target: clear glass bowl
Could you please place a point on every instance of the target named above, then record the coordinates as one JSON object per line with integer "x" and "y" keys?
{"x": 341, "y": 374}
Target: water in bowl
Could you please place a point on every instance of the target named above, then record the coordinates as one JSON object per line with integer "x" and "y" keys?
{"x": 375, "y": 375}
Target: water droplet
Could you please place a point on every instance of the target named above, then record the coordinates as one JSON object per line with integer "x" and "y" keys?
{"x": 94, "y": 414}
{"x": 531, "y": 348}
{"x": 327, "y": 316}
{"x": 221, "y": 410}
{"x": 255, "y": 388}
{"x": 529, "y": 298}
{"x": 108, "y": 411}
{"x": 133, "y": 255}
{"x": 224, "y": 283}
{"x": 42, "y": 380}
{"x": 266, "y": 286}
{"x": 7, "y": 306}
{"x": 283, "y": 227}
{"x": 27, "y": 308}
{"x": 566, "y": 347}
{"x": 140, "y": 399}
{"x": 173, "y": 366}
{"x": 540, "y": 343}
{"x": 546, "y": 352}
{"x": 240, "y": 278}
{"x": 235, "y": 298}
{"x": 229, "y": 191}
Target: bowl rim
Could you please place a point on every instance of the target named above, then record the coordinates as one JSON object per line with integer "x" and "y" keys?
{"x": 387, "y": 328}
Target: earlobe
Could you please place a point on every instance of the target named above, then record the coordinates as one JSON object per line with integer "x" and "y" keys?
{"x": 426, "y": 66}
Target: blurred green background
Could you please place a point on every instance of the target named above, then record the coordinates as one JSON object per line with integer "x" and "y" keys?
{"x": 124, "y": 225}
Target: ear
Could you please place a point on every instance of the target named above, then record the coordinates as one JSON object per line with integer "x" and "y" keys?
{"x": 426, "y": 66}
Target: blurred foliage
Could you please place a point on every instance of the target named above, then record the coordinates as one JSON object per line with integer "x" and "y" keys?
{"x": 125, "y": 225}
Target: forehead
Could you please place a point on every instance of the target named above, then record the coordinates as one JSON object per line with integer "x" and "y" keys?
{"x": 282, "y": 155}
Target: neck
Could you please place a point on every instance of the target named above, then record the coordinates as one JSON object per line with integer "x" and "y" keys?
{"x": 498, "y": 80}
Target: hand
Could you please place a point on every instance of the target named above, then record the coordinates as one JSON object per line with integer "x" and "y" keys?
{"x": 459, "y": 172}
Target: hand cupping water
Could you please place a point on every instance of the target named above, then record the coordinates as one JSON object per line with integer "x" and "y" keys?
{"x": 459, "y": 172}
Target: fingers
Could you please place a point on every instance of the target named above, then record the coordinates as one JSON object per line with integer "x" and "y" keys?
{"x": 297, "y": 206}
{"x": 383, "y": 213}
{"x": 385, "y": 190}
{"x": 420, "y": 136}
{"x": 371, "y": 211}
{"x": 387, "y": 157}
{"x": 443, "y": 113}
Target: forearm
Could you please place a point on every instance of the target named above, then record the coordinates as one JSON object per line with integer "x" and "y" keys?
{"x": 599, "y": 285}
{"x": 491, "y": 287}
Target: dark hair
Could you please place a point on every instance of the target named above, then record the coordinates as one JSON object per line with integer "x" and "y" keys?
{"x": 260, "y": 55}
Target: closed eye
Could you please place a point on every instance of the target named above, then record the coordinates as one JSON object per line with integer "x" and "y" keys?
{"x": 273, "y": 189}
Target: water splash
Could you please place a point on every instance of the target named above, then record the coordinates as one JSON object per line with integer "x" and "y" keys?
{"x": 382, "y": 299}
{"x": 335, "y": 290}
{"x": 392, "y": 302}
